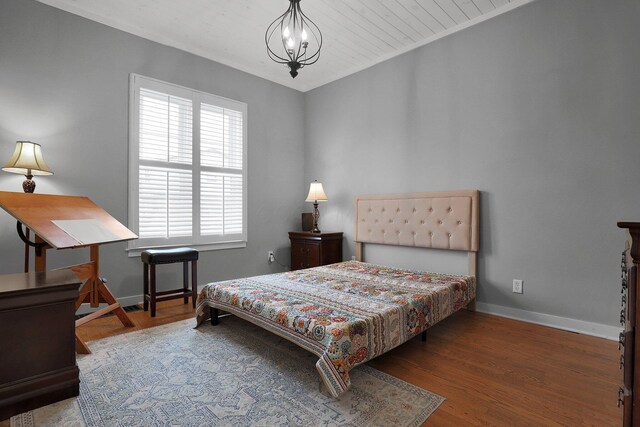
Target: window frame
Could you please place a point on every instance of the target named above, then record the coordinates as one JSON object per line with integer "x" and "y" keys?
{"x": 206, "y": 242}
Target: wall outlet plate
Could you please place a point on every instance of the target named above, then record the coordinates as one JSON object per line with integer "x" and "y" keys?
{"x": 271, "y": 258}
{"x": 517, "y": 286}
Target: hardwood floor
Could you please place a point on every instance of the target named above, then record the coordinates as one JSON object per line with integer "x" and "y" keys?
{"x": 497, "y": 371}
{"x": 493, "y": 371}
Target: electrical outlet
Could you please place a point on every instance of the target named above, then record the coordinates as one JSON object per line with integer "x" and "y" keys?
{"x": 517, "y": 286}
{"x": 271, "y": 257}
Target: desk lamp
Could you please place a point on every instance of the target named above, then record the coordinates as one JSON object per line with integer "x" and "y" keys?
{"x": 27, "y": 160}
{"x": 316, "y": 194}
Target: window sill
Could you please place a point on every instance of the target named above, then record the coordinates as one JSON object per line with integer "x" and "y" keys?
{"x": 202, "y": 247}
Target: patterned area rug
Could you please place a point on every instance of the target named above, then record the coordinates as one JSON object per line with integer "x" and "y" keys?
{"x": 233, "y": 374}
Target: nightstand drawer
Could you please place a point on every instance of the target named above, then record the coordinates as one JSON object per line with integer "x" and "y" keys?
{"x": 314, "y": 249}
{"x": 304, "y": 255}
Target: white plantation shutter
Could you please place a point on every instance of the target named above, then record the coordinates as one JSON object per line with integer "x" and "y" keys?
{"x": 221, "y": 191}
{"x": 187, "y": 167}
{"x": 232, "y": 204}
{"x": 165, "y": 127}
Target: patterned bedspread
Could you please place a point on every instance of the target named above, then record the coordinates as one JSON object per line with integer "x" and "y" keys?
{"x": 346, "y": 313}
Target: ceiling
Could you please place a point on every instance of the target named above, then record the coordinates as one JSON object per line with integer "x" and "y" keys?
{"x": 356, "y": 33}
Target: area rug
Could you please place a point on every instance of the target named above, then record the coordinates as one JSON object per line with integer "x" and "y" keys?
{"x": 233, "y": 374}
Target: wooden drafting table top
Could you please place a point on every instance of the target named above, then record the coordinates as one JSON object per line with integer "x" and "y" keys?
{"x": 37, "y": 210}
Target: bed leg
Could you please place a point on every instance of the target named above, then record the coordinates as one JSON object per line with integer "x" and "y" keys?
{"x": 214, "y": 316}
{"x": 424, "y": 336}
{"x": 472, "y": 305}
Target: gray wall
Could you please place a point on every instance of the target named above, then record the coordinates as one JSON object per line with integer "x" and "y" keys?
{"x": 64, "y": 83}
{"x": 539, "y": 109}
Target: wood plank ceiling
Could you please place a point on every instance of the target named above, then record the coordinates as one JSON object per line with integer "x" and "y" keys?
{"x": 357, "y": 33}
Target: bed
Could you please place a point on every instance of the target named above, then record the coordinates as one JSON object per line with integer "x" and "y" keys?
{"x": 350, "y": 312}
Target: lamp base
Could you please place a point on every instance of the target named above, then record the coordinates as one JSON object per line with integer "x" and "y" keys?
{"x": 316, "y": 216}
{"x": 29, "y": 185}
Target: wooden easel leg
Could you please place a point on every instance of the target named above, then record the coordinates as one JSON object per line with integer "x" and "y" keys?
{"x": 40, "y": 260}
{"x": 106, "y": 296}
{"x": 27, "y": 234}
{"x": 85, "y": 293}
{"x": 81, "y": 346}
{"x": 95, "y": 292}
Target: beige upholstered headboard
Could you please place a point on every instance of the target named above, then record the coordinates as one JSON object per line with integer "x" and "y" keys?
{"x": 443, "y": 220}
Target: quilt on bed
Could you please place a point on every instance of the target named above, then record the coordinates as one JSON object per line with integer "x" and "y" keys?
{"x": 346, "y": 313}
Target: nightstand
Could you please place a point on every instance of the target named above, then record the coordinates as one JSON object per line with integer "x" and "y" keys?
{"x": 314, "y": 249}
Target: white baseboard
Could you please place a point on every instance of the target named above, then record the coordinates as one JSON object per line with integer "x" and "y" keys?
{"x": 564, "y": 323}
{"x": 124, "y": 301}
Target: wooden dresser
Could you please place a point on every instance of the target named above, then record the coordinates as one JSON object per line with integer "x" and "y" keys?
{"x": 314, "y": 249}
{"x": 37, "y": 335}
{"x": 629, "y": 342}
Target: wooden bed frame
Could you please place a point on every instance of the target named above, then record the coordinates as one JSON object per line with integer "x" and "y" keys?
{"x": 441, "y": 220}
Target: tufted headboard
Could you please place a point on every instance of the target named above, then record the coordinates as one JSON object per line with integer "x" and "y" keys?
{"x": 443, "y": 220}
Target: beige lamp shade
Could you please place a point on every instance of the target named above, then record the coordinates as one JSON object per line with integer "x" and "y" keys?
{"x": 316, "y": 193}
{"x": 27, "y": 160}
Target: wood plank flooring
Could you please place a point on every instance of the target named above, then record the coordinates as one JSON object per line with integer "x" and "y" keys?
{"x": 493, "y": 371}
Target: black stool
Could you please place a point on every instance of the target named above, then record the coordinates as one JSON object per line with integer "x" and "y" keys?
{"x": 152, "y": 257}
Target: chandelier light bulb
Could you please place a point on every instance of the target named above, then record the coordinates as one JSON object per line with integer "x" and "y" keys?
{"x": 304, "y": 35}
{"x": 285, "y": 33}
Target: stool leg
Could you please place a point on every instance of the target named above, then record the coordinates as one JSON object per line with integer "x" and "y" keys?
{"x": 185, "y": 280}
{"x": 152, "y": 297}
{"x": 194, "y": 282}
{"x": 145, "y": 287}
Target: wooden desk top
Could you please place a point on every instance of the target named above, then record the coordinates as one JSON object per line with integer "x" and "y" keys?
{"x": 37, "y": 210}
{"x": 32, "y": 281}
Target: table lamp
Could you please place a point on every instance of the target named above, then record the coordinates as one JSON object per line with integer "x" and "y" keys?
{"x": 316, "y": 194}
{"x": 27, "y": 160}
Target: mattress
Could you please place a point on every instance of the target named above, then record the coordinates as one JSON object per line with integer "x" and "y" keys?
{"x": 346, "y": 313}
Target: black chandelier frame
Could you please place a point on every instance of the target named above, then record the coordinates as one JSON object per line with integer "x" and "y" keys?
{"x": 294, "y": 57}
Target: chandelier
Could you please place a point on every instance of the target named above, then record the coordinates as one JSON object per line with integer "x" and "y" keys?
{"x": 293, "y": 39}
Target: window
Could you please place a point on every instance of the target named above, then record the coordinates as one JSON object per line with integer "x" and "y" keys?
{"x": 187, "y": 167}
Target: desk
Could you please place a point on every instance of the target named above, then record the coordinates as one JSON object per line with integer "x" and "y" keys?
{"x": 37, "y": 340}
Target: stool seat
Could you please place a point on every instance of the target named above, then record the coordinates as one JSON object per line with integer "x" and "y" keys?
{"x": 168, "y": 256}
{"x": 151, "y": 257}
